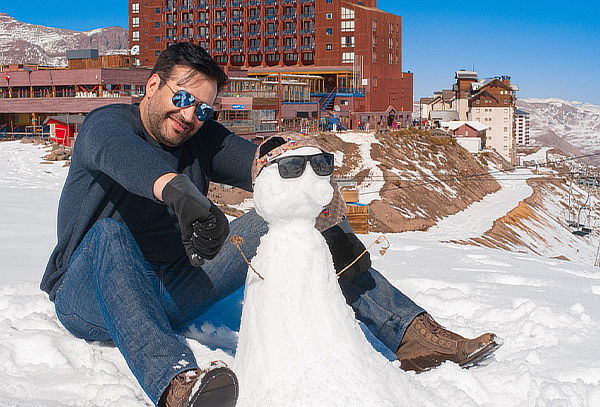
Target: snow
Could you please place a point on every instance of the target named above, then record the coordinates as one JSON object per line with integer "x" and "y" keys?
{"x": 539, "y": 157}
{"x": 547, "y": 311}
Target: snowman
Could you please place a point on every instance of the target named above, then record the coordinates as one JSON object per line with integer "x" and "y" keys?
{"x": 299, "y": 342}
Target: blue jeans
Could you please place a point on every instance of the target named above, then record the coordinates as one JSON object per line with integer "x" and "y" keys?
{"x": 110, "y": 293}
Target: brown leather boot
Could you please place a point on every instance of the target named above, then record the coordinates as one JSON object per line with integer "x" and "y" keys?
{"x": 426, "y": 344}
{"x": 216, "y": 386}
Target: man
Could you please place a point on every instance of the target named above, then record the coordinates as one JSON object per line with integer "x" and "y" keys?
{"x": 142, "y": 251}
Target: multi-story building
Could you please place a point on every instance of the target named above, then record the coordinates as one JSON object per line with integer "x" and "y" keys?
{"x": 30, "y": 94}
{"x": 489, "y": 101}
{"x": 354, "y": 46}
{"x": 522, "y": 128}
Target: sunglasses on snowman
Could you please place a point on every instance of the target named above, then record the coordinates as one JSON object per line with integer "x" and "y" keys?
{"x": 293, "y": 166}
{"x": 182, "y": 99}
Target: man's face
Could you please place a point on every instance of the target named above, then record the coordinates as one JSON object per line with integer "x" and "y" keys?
{"x": 166, "y": 123}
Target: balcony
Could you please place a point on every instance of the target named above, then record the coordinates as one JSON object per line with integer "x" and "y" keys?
{"x": 308, "y": 47}
{"x": 307, "y": 1}
{"x": 185, "y": 22}
{"x": 220, "y": 20}
{"x": 307, "y": 32}
{"x": 253, "y": 3}
{"x": 254, "y": 18}
{"x": 220, "y": 4}
{"x": 289, "y": 32}
{"x": 288, "y": 48}
{"x": 236, "y": 50}
{"x": 168, "y": 38}
{"x": 238, "y": 34}
{"x": 220, "y": 35}
{"x": 222, "y": 50}
{"x": 167, "y": 23}
{"x": 236, "y": 19}
{"x": 307, "y": 16}
{"x": 271, "y": 48}
{"x": 254, "y": 49}
{"x": 253, "y": 34}
{"x": 271, "y": 17}
{"x": 289, "y": 16}
{"x": 185, "y": 37}
{"x": 272, "y": 33}
{"x": 288, "y": 1}
{"x": 182, "y": 8}
{"x": 202, "y": 21}
{"x": 271, "y": 2}
{"x": 201, "y": 5}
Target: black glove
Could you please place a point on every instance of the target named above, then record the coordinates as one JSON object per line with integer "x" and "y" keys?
{"x": 204, "y": 227}
{"x": 345, "y": 248}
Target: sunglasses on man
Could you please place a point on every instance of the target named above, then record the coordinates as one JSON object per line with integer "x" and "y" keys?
{"x": 293, "y": 166}
{"x": 182, "y": 99}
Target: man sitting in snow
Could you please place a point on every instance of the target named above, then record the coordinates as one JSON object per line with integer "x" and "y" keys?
{"x": 142, "y": 251}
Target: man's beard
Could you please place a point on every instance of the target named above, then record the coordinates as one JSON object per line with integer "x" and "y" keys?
{"x": 158, "y": 126}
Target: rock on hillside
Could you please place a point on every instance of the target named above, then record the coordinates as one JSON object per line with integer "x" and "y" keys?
{"x": 36, "y": 44}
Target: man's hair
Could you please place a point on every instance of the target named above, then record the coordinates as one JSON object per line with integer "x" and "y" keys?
{"x": 192, "y": 56}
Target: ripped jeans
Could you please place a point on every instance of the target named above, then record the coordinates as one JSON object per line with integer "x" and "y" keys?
{"x": 110, "y": 293}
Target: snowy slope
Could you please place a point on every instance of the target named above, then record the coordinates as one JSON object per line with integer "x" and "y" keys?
{"x": 546, "y": 310}
{"x": 578, "y": 123}
{"x": 36, "y": 44}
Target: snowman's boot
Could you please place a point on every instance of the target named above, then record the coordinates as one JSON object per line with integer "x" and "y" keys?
{"x": 426, "y": 344}
{"x": 216, "y": 386}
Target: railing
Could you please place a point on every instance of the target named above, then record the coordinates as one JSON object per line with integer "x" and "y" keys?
{"x": 289, "y": 32}
{"x": 309, "y": 47}
{"x": 289, "y": 17}
{"x": 307, "y": 32}
{"x": 307, "y": 16}
{"x": 253, "y": 3}
{"x": 250, "y": 93}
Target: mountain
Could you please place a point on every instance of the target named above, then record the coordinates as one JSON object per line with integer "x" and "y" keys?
{"x": 36, "y": 44}
{"x": 560, "y": 123}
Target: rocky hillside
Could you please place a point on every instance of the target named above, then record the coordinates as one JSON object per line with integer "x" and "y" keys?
{"x": 571, "y": 126}
{"x": 408, "y": 178}
{"x": 36, "y": 44}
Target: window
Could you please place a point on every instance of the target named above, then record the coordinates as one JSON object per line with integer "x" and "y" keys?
{"x": 391, "y": 59}
{"x": 157, "y": 25}
{"x": 329, "y": 16}
{"x": 328, "y": 31}
{"x": 156, "y": 53}
{"x": 157, "y": 39}
{"x": 135, "y": 22}
{"x": 135, "y": 35}
{"x": 328, "y": 1}
{"x": 328, "y": 47}
{"x": 135, "y": 7}
{"x": 348, "y": 41}
{"x": 348, "y": 25}
{"x": 347, "y": 14}
{"x": 157, "y": 10}
{"x": 347, "y": 57}
{"x": 344, "y": 102}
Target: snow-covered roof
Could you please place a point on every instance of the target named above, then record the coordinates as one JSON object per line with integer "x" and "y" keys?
{"x": 455, "y": 124}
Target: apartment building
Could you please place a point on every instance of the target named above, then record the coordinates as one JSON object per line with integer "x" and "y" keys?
{"x": 490, "y": 101}
{"x": 522, "y": 128}
{"x": 355, "y": 47}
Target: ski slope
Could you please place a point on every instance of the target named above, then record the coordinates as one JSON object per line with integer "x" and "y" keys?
{"x": 547, "y": 311}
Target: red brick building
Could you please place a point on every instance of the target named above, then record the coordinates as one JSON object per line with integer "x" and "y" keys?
{"x": 354, "y": 46}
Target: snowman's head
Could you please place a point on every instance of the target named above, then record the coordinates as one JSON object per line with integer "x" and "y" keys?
{"x": 293, "y": 183}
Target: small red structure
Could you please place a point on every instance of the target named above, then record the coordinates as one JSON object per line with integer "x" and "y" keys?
{"x": 64, "y": 128}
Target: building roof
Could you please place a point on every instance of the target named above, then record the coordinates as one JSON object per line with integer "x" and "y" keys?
{"x": 455, "y": 124}
{"x": 521, "y": 112}
{"x": 443, "y": 115}
{"x": 447, "y": 95}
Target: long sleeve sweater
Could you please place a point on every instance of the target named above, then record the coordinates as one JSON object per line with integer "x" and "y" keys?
{"x": 113, "y": 168}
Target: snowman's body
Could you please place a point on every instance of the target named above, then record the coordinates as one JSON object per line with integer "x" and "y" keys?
{"x": 299, "y": 342}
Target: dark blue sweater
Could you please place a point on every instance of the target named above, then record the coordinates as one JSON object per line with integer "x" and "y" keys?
{"x": 113, "y": 169}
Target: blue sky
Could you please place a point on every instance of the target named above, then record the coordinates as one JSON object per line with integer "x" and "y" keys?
{"x": 550, "y": 48}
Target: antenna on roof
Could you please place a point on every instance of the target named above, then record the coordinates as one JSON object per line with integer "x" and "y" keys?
{"x": 473, "y": 70}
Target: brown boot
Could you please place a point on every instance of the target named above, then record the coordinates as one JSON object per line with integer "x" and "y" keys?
{"x": 426, "y": 344}
{"x": 216, "y": 386}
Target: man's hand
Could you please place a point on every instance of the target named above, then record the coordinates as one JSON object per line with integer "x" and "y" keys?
{"x": 204, "y": 227}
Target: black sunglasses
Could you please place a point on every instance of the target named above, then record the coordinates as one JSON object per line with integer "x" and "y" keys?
{"x": 293, "y": 166}
{"x": 183, "y": 98}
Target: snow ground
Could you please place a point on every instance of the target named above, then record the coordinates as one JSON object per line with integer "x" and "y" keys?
{"x": 546, "y": 310}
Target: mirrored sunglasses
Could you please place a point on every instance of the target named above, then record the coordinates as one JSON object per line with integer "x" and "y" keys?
{"x": 293, "y": 166}
{"x": 183, "y": 99}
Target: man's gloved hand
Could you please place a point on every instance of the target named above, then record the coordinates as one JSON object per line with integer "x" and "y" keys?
{"x": 345, "y": 248}
{"x": 204, "y": 227}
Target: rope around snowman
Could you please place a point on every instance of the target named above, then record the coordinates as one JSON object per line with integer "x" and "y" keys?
{"x": 238, "y": 241}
